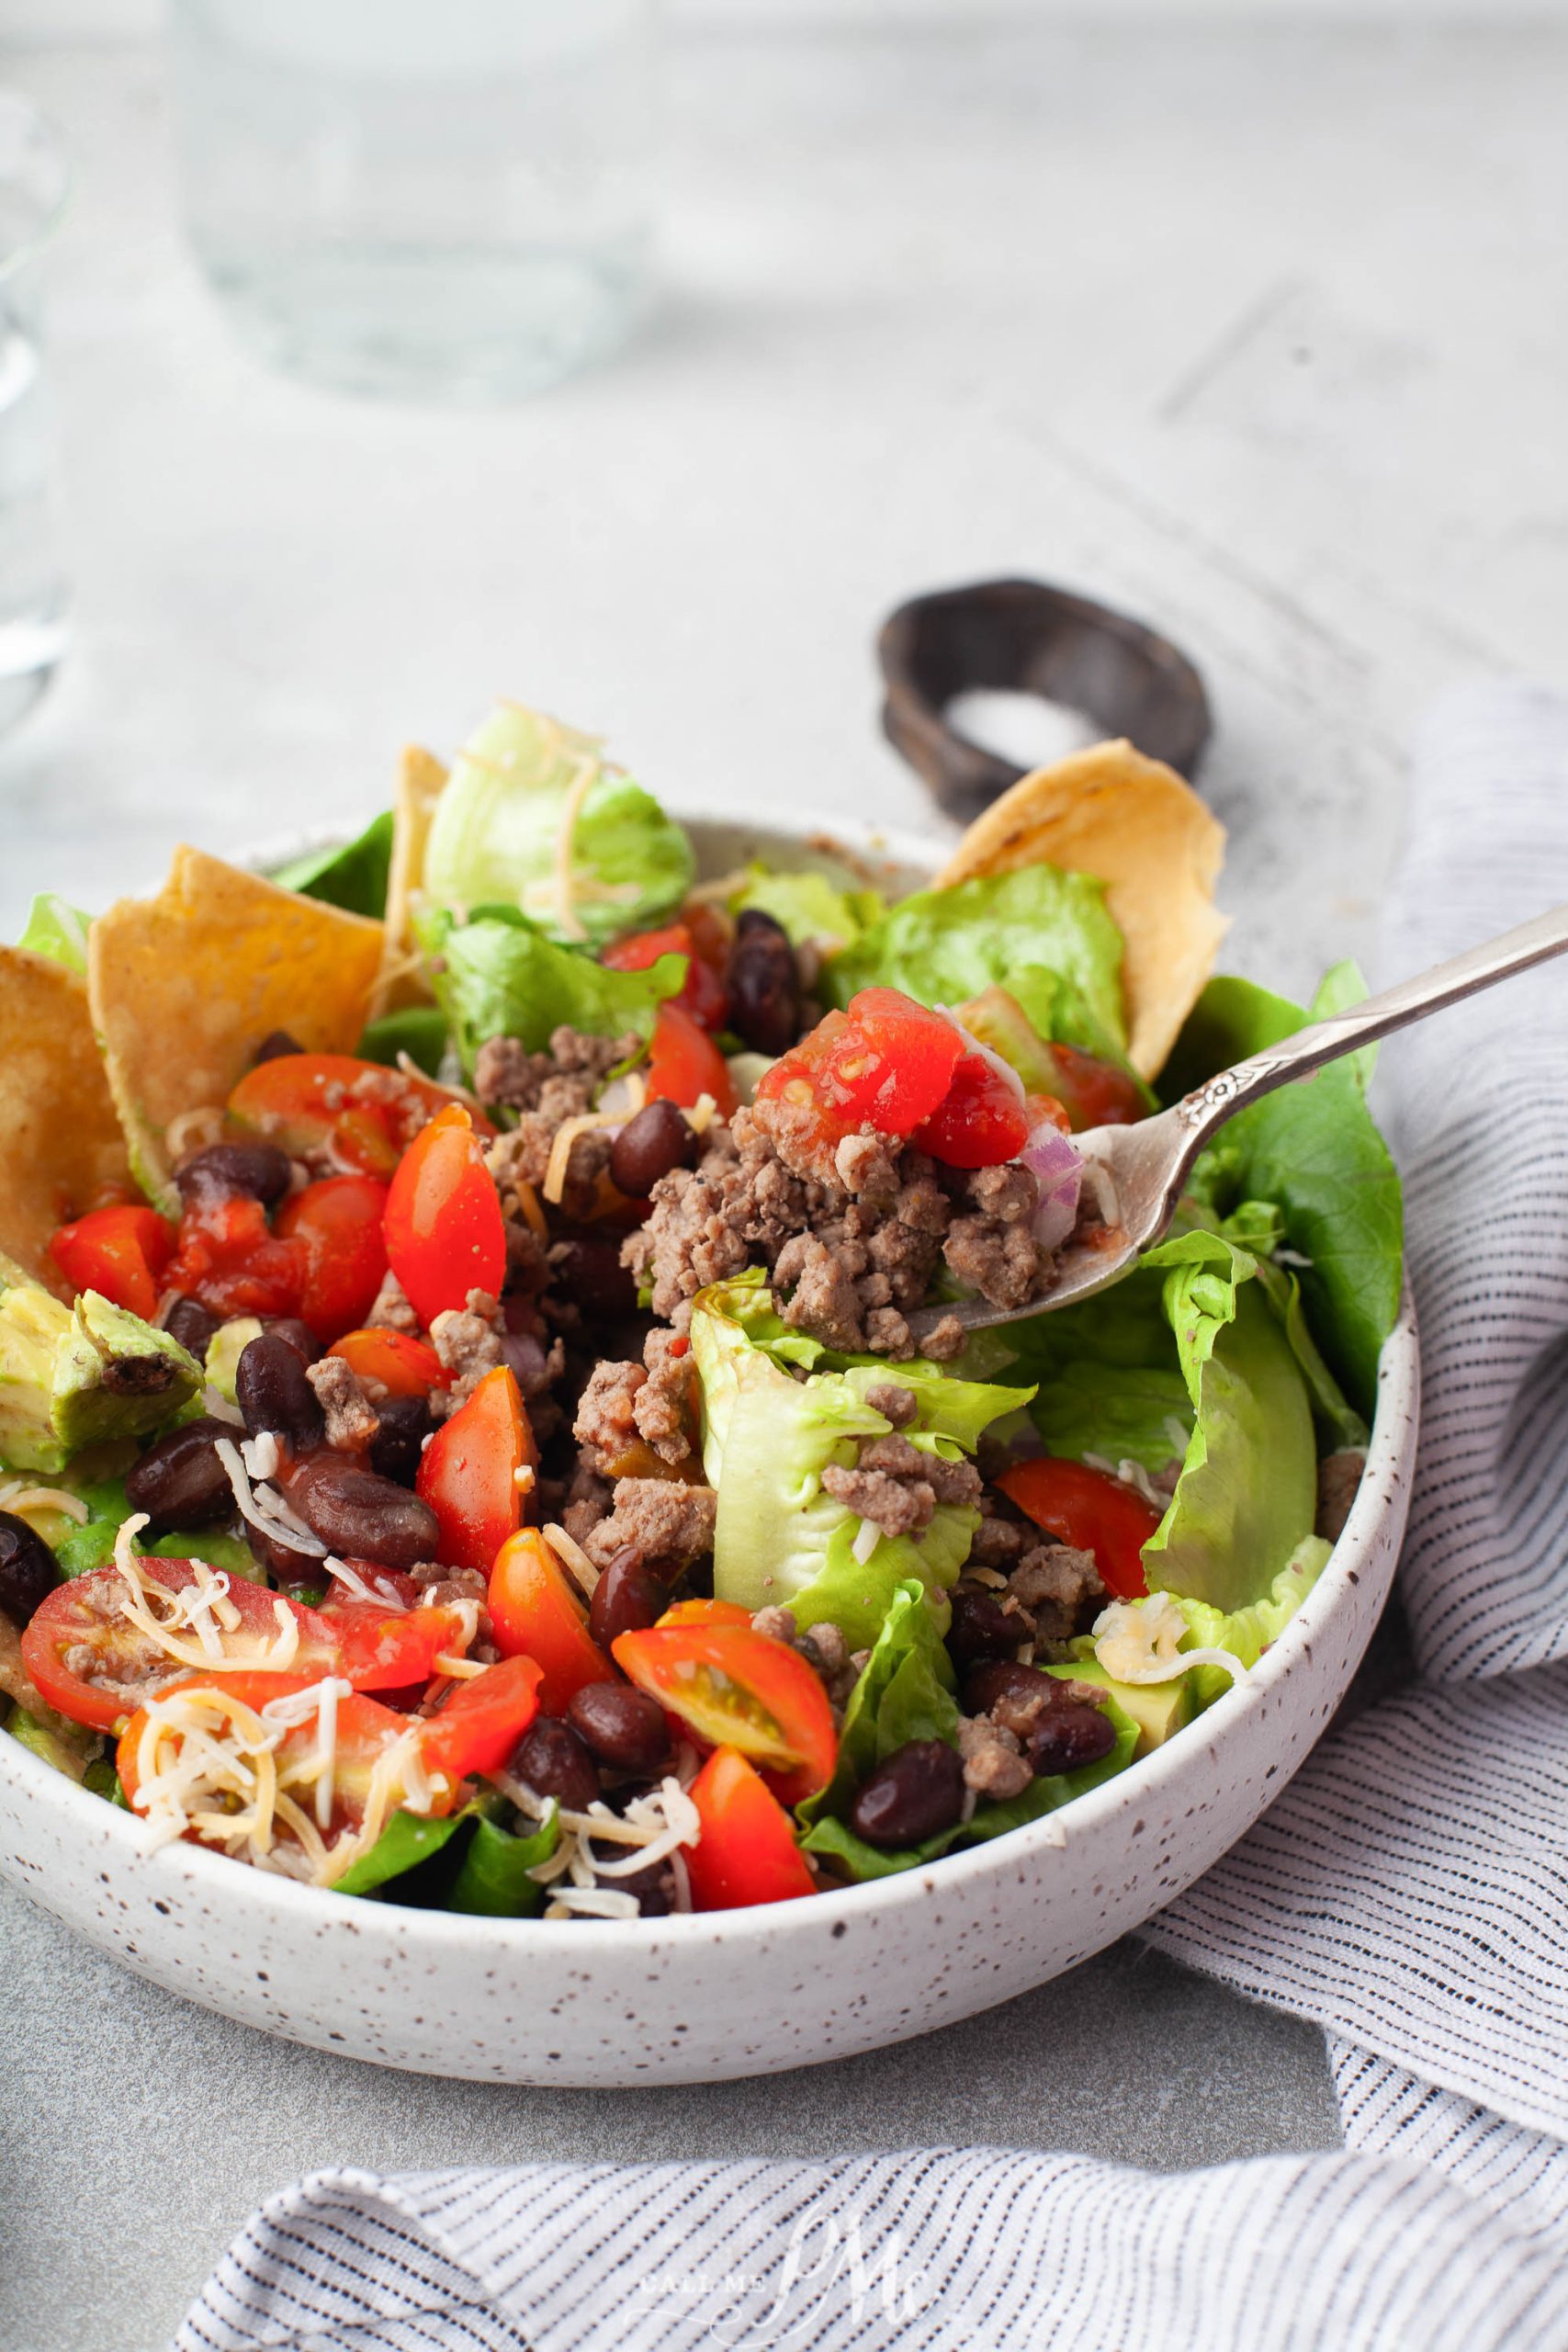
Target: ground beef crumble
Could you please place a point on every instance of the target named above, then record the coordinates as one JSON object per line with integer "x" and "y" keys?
{"x": 670, "y": 1524}
{"x": 653, "y": 1400}
{"x": 897, "y": 1486}
{"x": 468, "y": 1340}
{"x": 351, "y": 1416}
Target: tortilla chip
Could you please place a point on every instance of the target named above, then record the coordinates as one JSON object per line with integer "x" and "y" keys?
{"x": 1135, "y": 824}
{"x": 401, "y": 979}
{"x": 60, "y": 1145}
{"x": 182, "y": 989}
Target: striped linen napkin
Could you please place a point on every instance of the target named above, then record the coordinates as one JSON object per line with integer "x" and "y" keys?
{"x": 1409, "y": 1891}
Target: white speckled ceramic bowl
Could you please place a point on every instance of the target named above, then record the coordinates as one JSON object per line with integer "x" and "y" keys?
{"x": 696, "y": 1999}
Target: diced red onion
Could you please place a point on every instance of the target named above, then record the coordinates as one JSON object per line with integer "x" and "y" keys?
{"x": 1058, "y": 1167}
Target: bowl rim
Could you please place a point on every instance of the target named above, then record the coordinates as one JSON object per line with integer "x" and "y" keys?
{"x": 1388, "y": 1468}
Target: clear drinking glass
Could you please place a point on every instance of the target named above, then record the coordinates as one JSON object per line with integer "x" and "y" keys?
{"x": 429, "y": 199}
{"x": 34, "y": 598}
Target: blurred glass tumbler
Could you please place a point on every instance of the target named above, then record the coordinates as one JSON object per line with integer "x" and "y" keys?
{"x": 441, "y": 199}
{"x": 34, "y": 598}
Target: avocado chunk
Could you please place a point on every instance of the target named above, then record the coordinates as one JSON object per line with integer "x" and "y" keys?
{"x": 72, "y": 1376}
{"x": 1157, "y": 1708}
{"x": 56, "y": 1747}
{"x": 228, "y": 1344}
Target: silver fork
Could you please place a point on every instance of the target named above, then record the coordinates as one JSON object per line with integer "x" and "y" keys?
{"x": 1144, "y": 1168}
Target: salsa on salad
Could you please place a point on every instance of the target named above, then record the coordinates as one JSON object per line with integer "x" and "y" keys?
{"x": 461, "y": 1437}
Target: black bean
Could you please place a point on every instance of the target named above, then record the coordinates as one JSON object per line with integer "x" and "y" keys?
{"x": 981, "y": 1627}
{"x": 275, "y": 1045}
{"x": 589, "y": 1272}
{"x": 624, "y": 1727}
{"x": 299, "y": 1336}
{"x": 27, "y": 1573}
{"x": 273, "y": 1393}
{"x": 188, "y": 1322}
{"x": 362, "y": 1517}
{"x": 657, "y": 1138}
{"x": 396, "y": 1447}
{"x": 180, "y": 1482}
{"x": 627, "y": 1597}
{"x": 553, "y": 1762}
{"x": 918, "y": 1793}
{"x": 1067, "y": 1735}
{"x": 292, "y": 1570}
{"x": 997, "y": 1681}
{"x": 764, "y": 984}
{"x": 257, "y": 1169}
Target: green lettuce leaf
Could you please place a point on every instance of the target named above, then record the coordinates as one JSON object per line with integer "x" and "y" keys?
{"x": 906, "y": 1692}
{"x": 353, "y": 876}
{"x": 498, "y": 975}
{"x": 814, "y": 911}
{"x": 419, "y": 1031}
{"x": 58, "y": 929}
{"x": 1043, "y": 933}
{"x": 1313, "y": 1150}
{"x": 499, "y": 817}
{"x": 493, "y": 1877}
{"x": 781, "y": 1540}
{"x": 409, "y": 1840}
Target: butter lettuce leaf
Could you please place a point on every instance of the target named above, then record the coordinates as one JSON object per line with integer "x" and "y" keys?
{"x": 58, "y": 929}
{"x": 1046, "y": 934}
{"x": 498, "y": 817}
{"x": 498, "y": 975}
{"x": 813, "y": 910}
{"x": 781, "y": 1540}
{"x": 1314, "y": 1152}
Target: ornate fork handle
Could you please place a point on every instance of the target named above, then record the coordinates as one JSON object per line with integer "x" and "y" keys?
{"x": 1208, "y": 1107}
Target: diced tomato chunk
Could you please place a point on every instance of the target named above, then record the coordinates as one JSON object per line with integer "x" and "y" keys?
{"x": 118, "y": 1251}
{"x": 980, "y": 1121}
{"x": 885, "y": 1063}
{"x": 394, "y": 1361}
{"x": 229, "y": 1258}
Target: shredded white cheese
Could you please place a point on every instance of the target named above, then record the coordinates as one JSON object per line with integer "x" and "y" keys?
{"x": 16, "y": 1495}
{"x": 573, "y": 1558}
{"x": 1129, "y": 1472}
{"x": 194, "y": 1130}
{"x": 702, "y": 1114}
{"x": 1139, "y": 1641}
{"x": 585, "y": 1122}
{"x": 267, "y": 1510}
{"x": 1004, "y": 1070}
{"x": 217, "y": 1408}
{"x": 866, "y": 1542}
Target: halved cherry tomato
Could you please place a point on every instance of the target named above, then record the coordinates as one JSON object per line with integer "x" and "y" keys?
{"x": 703, "y": 993}
{"x": 119, "y": 1252}
{"x": 364, "y": 1730}
{"x": 705, "y": 1612}
{"x": 683, "y": 1064}
{"x": 534, "y": 1613}
{"x": 339, "y": 1115}
{"x": 229, "y": 1258}
{"x": 980, "y": 1121}
{"x": 445, "y": 1232}
{"x": 747, "y": 1852}
{"x": 1091, "y": 1510}
{"x": 468, "y": 1474}
{"x": 742, "y": 1688}
{"x": 477, "y": 1729}
{"x": 391, "y": 1361}
{"x": 89, "y": 1660}
{"x": 337, "y": 1224}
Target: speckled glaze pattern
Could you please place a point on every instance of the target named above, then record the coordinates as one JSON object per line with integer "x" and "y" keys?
{"x": 689, "y": 1999}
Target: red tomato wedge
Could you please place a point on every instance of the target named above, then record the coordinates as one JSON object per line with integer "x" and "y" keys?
{"x": 477, "y": 1729}
{"x": 339, "y": 1115}
{"x": 364, "y": 1730}
{"x": 741, "y": 1689}
{"x": 706, "y": 1613}
{"x": 336, "y": 1226}
{"x": 115, "y": 1664}
{"x": 119, "y": 1252}
{"x": 747, "y": 1852}
{"x": 683, "y": 1064}
{"x": 703, "y": 994}
{"x": 397, "y": 1363}
{"x": 980, "y": 1121}
{"x": 1091, "y": 1510}
{"x": 445, "y": 1232}
{"x": 534, "y": 1613}
{"x": 468, "y": 1474}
